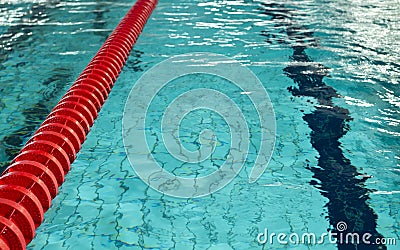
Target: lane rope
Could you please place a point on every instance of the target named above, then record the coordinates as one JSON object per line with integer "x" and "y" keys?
{"x": 29, "y": 184}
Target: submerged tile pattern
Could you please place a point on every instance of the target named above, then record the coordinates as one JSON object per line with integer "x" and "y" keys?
{"x": 108, "y": 206}
{"x": 104, "y": 205}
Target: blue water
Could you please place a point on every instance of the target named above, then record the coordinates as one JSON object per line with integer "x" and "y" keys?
{"x": 331, "y": 69}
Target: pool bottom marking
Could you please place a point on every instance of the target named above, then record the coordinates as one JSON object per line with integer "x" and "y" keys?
{"x": 34, "y": 115}
{"x": 12, "y": 143}
{"x": 11, "y": 41}
{"x": 338, "y": 179}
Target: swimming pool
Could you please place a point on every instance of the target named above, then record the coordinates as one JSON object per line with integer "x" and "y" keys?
{"x": 332, "y": 76}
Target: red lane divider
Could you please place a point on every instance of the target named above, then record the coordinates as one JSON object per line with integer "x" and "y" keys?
{"x": 29, "y": 184}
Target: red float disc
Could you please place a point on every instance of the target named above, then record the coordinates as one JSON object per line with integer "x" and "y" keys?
{"x": 3, "y": 244}
{"x": 121, "y": 51}
{"x": 109, "y": 62}
{"x": 96, "y": 81}
{"x": 59, "y": 135}
{"x": 111, "y": 67}
{"x": 20, "y": 216}
{"x": 25, "y": 198}
{"x": 113, "y": 56}
{"x": 130, "y": 28}
{"x": 74, "y": 114}
{"x": 136, "y": 18}
{"x": 10, "y": 233}
{"x": 69, "y": 122}
{"x": 127, "y": 37}
{"x": 119, "y": 42}
{"x": 91, "y": 89}
{"x": 77, "y": 107}
{"x": 113, "y": 51}
{"x": 84, "y": 101}
{"x": 106, "y": 74}
{"x": 44, "y": 158}
{"x": 84, "y": 93}
{"x": 51, "y": 148}
{"x": 32, "y": 183}
{"x": 98, "y": 73}
{"x": 38, "y": 170}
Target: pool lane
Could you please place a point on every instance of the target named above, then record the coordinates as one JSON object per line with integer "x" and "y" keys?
{"x": 21, "y": 33}
{"x": 17, "y": 36}
{"x": 338, "y": 179}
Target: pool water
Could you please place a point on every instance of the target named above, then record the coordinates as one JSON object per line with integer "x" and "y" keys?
{"x": 331, "y": 69}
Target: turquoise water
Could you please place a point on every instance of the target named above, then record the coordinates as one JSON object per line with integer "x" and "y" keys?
{"x": 319, "y": 174}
